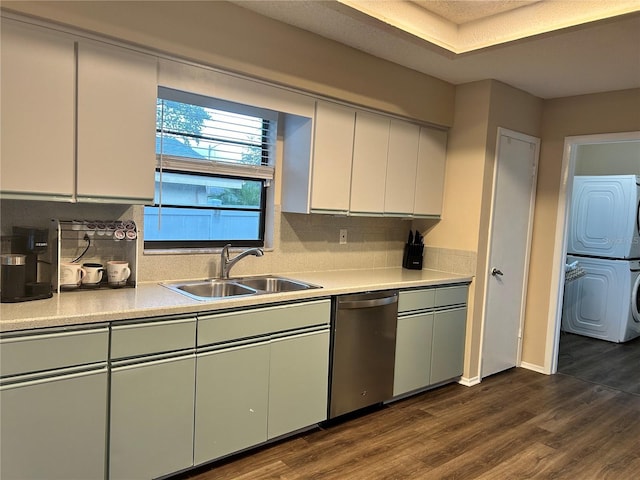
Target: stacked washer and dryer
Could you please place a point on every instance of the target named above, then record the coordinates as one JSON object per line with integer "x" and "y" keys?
{"x": 604, "y": 238}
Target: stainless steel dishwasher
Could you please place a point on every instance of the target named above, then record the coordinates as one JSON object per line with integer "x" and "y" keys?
{"x": 363, "y": 350}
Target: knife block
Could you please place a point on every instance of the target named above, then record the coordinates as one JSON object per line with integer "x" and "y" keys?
{"x": 412, "y": 257}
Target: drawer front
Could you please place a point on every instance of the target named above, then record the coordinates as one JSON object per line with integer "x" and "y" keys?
{"x": 35, "y": 353}
{"x": 145, "y": 338}
{"x": 416, "y": 300}
{"x": 230, "y": 326}
{"x": 456, "y": 295}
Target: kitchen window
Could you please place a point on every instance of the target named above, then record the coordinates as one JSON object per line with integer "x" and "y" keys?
{"x": 214, "y": 165}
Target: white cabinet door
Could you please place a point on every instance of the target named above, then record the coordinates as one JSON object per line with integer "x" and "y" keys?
{"x": 430, "y": 172}
{"x": 54, "y": 428}
{"x": 298, "y": 383}
{"x": 368, "y": 175}
{"x": 152, "y": 408}
{"x": 117, "y": 91}
{"x": 413, "y": 353}
{"x": 401, "y": 168}
{"x": 232, "y": 394}
{"x": 332, "y": 153}
{"x": 38, "y": 112}
{"x": 447, "y": 355}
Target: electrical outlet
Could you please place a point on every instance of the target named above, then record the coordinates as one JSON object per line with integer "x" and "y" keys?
{"x": 343, "y": 236}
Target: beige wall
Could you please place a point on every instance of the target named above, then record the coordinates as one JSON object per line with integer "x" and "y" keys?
{"x": 608, "y": 159}
{"x": 480, "y": 108}
{"x": 460, "y": 225}
{"x": 466, "y": 143}
{"x": 608, "y": 112}
{"x": 224, "y": 35}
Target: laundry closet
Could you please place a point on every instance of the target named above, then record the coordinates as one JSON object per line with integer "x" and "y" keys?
{"x": 601, "y": 291}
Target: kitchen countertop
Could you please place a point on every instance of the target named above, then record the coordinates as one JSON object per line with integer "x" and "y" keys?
{"x": 152, "y": 299}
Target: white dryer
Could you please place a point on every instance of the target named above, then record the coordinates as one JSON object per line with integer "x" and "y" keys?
{"x": 605, "y": 216}
{"x": 605, "y": 302}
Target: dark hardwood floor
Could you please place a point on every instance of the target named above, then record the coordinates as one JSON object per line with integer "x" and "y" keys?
{"x": 514, "y": 425}
{"x": 616, "y": 365}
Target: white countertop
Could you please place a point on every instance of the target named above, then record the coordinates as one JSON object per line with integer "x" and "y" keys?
{"x": 152, "y": 299}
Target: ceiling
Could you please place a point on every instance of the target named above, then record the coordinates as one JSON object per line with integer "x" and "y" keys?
{"x": 549, "y": 48}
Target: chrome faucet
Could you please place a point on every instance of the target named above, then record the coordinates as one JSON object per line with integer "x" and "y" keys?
{"x": 226, "y": 263}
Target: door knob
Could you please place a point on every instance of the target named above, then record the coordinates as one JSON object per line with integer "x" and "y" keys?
{"x": 495, "y": 272}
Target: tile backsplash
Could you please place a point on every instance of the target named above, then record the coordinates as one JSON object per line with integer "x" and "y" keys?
{"x": 449, "y": 260}
{"x": 299, "y": 242}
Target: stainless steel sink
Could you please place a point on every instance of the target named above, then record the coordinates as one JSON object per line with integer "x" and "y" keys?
{"x": 238, "y": 287}
{"x": 211, "y": 289}
{"x": 274, "y": 284}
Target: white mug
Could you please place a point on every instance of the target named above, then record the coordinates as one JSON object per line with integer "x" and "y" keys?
{"x": 71, "y": 274}
{"x": 117, "y": 273}
{"x": 93, "y": 275}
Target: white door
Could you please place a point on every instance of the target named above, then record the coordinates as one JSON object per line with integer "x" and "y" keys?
{"x": 509, "y": 244}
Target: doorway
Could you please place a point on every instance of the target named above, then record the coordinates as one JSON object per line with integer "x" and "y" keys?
{"x": 583, "y": 353}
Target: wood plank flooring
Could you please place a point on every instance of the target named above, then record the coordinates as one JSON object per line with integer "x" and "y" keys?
{"x": 514, "y": 425}
{"x": 616, "y": 365}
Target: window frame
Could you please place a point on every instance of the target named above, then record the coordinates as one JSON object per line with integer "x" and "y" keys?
{"x": 208, "y": 244}
{"x": 218, "y": 169}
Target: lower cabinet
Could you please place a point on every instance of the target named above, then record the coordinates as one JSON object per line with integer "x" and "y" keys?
{"x": 153, "y": 368}
{"x": 53, "y": 404}
{"x": 298, "y": 382}
{"x": 232, "y": 394}
{"x": 413, "y": 353}
{"x": 447, "y": 354}
{"x": 54, "y": 428}
{"x": 430, "y": 339}
{"x": 152, "y": 418}
{"x": 249, "y": 393}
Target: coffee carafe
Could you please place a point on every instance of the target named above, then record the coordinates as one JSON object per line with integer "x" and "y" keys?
{"x": 20, "y": 268}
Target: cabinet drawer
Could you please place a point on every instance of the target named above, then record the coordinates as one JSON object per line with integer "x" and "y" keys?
{"x": 456, "y": 295}
{"x": 230, "y": 326}
{"x": 136, "y": 339}
{"x": 34, "y": 353}
{"x": 416, "y": 300}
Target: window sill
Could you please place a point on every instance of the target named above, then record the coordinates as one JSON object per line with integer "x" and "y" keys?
{"x": 197, "y": 251}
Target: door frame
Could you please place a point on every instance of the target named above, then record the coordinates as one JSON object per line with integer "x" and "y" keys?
{"x": 554, "y": 319}
{"x": 530, "y": 139}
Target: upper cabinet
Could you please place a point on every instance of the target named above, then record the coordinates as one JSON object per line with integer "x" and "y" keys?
{"x": 317, "y": 160}
{"x": 401, "y": 168}
{"x": 354, "y": 162}
{"x": 332, "y": 152}
{"x": 117, "y": 91}
{"x": 78, "y": 118}
{"x": 38, "y": 112}
{"x": 369, "y": 169}
{"x": 432, "y": 151}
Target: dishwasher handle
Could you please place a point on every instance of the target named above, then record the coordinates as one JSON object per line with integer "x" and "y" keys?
{"x": 367, "y": 303}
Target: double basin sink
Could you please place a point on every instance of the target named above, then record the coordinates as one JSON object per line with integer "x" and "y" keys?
{"x": 237, "y": 287}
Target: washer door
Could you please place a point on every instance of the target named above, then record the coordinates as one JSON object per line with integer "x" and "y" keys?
{"x": 635, "y": 299}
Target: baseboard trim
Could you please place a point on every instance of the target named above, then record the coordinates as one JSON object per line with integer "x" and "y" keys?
{"x": 533, "y": 367}
{"x": 469, "y": 382}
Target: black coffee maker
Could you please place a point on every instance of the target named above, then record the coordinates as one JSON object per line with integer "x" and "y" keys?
{"x": 20, "y": 282}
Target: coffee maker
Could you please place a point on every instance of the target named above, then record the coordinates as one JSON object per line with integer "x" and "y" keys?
{"x": 20, "y": 269}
